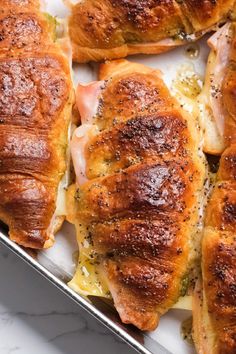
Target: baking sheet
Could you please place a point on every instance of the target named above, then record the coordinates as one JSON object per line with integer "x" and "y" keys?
{"x": 60, "y": 259}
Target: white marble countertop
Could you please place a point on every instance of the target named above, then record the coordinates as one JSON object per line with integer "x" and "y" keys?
{"x": 35, "y": 318}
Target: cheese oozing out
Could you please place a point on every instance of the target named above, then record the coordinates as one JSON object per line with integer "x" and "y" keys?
{"x": 88, "y": 279}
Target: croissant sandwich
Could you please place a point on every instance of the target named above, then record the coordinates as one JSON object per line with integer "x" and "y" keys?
{"x": 136, "y": 201}
{"x": 215, "y": 300}
{"x": 35, "y": 105}
{"x": 110, "y": 29}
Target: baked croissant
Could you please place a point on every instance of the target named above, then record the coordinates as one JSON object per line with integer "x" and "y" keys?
{"x": 215, "y": 313}
{"x": 110, "y": 29}
{"x": 35, "y": 105}
{"x": 139, "y": 184}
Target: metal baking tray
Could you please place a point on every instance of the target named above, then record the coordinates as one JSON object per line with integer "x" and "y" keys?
{"x": 57, "y": 264}
{"x": 97, "y": 308}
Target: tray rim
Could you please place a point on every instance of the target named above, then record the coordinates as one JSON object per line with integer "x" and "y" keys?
{"x": 82, "y": 302}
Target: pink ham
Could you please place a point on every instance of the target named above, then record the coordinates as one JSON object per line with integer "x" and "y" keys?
{"x": 220, "y": 43}
{"x": 87, "y": 100}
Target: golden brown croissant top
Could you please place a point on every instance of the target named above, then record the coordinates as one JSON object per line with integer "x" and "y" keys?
{"x": 24, "y": 28}
{"x": 137, "y": 195}
{"x": 109, "y": 29}
{"x": 20, "y": 5}
{"x": 35, "y": 101}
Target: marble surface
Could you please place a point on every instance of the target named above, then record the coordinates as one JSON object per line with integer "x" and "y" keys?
{"x": 36, "y": 318}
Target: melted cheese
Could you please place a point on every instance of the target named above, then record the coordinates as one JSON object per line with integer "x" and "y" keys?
{"x": 88, "y": 280}
{"x": 60, "y": 212}
{"x": 187, "y": 81}
{"x": 65, "y": 44}
{"x": 184, "y": 303}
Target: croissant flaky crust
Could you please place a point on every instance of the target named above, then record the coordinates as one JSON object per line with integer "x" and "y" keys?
{"x": 218, "y": 266}
{"x": 35, "y": 103}
{"x": 136, "y": 202}
{"x": 217, "y": 332}
{"x": 109, "y": 29}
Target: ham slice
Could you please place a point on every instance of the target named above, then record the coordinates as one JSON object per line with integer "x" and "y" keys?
{"x": 87, "y": 99}
{"x": 79, "y": 140}
{"x": 220, "y": 44}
